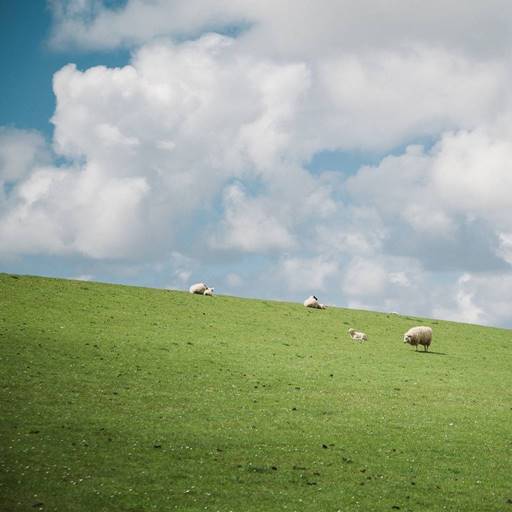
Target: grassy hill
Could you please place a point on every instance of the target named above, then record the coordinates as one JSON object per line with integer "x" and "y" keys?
{"x": 116, "y": 398}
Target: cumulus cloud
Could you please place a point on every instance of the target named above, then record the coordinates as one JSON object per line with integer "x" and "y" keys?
{"x": 183, "y": 270}
{"x": 91, "y": 24}
{"x": 61, "y": 211}
{"x": 505, "y": 247}
{"x": 309, "y": 275}
{"x": 233, "y": 280}
{"x": 388, "y": 283}
{"x": 472, "y": 174}
{"x": 483, "y": 299}
{"x": 249, "y": 224}
{"x": 459, "y": 185}
{"x": 20, "y": 151}
{"x": 291, "y": 28}
{"x": 153, "y": 143}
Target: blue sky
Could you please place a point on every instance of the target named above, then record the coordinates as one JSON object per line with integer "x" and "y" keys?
{"x": 351, "y": 150}
{"x": 27, "y": 100}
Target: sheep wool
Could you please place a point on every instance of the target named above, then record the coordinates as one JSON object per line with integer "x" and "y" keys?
{"x": 419, "y": 335}
{"x": 312, "y": 302}
{"x": 198, "y": 288}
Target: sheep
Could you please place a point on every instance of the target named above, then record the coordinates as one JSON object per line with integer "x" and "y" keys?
{"x": 419, "y": 335}
{"x": 358, "y": 335}
{"x": 198, "y": 288}
{"x": 312, "y": 302}
{"x": 209, "y": 292}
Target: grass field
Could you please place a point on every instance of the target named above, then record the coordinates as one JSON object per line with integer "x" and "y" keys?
{"x": 116, "y": 398}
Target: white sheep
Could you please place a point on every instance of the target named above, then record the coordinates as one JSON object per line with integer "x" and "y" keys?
{"x": 198, "y": 288}
{"x": 419, "y": 335}
{"x": 312, "y": 302}
{"x": 209, "y": 292}
{"x": 358, "y": 335}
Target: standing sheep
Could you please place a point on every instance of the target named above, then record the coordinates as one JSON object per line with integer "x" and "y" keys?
{"x": 419, "y": 336}
{"x": 358, "y": 335}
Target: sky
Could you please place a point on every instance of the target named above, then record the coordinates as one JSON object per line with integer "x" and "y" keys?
{"x": 360, "y": 151}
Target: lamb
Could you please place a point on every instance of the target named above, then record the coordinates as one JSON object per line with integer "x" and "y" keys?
{"x": 198, "y": 288}
{"x": 419, "y": 335}
{"x": 358, "y": 335}
{"x": 209, "y": 292}
{"x": 312, "y": 302}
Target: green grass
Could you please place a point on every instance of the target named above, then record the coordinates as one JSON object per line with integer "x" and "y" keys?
{"x": 116, "y": 398}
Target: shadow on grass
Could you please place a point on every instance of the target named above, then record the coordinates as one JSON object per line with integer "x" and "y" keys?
{"x": 430, "y": 352}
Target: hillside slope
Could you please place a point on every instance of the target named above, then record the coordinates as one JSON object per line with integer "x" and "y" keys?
{"x": 132, "y": 399}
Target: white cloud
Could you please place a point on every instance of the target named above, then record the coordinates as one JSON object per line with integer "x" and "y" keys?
{"x": 462, "y": 180}
{"x": 401, "y": 186}
{"x": 120, "y": 125}
{"x": 472, "y": 174}
{"x": 234, "y": 280}
{"x": 20, "y": 151}
{"x": 372, "y": 92}
{"x": 388, "y": 283}
{"x": 182, "y": 269}
{"x": 291, "y": 28}
{"x": 250, "y": 225}
{"x": 381, "y": 97}
{"x": 364, "y": 278}
{"x": 89, "y": 24}
{"x": 64, "y": 211}
{"x": 308, "y": 275}
{"x": 505, "y": 247}
{"x": 399, "y": 278}
{"x": 353, "y": 230}
{"x": 483, "y": 299}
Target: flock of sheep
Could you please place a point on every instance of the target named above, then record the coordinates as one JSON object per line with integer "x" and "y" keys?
{"x": 415, "y": 336}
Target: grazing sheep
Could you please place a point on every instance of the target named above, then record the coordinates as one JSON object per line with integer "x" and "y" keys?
{"x": 358, "y": 335}
{"x": 198, "y": 288}
{"x": 419, "y": 336}
{"x": 209, "y": 292}
{"x": 312, "y": 302}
